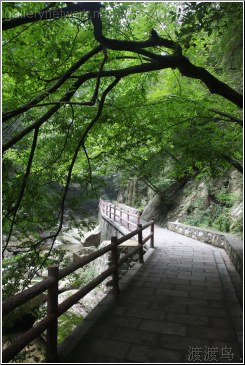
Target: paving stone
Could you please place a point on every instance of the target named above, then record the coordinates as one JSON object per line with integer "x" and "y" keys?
{"x": 141, "y": 290}
{"x": 85, "y": 357}
{"x": 112, "y": 348}
{"x": 231, "y": 296}
{"x": 206, "y": 295}
{"x": 161, "y": 299}
{"x": 186, "y": 268}
{"x": 181, "y": 342}
{"x": 220, "y": 322}
{"x": 175, "y": 293}
{"x": 220, "y": 334}
{"x": 133, "y": 296}
{"x": 191, "y": 277}
{"x": 138, "y": 283}
{"x": 160, "y": 285}
{"x": 190, "y": 302}
{"x": 174, "y": 281}
{"x": 168, "y": 276}
{"x": 238, "y": 324}
{"x": 217, "y": 304}
{"x": 102, "y": 330}
{"x": 173, "y": 308}
{"x": 143, "y": 354}
{"x": 221, "y": 265}
{"x": 135, "y": 303}
{"x": 215, "y": 284}
{"x": 235, "y": 309}
{"x": 133, "y": 336}
{"x": 184, "y": 287}
{"x": 163, "y": 327}
{"x": 126, "y": 322}
{"x": 187, "y": 319}
{"x": 186, "y": 261}
{"x": 145, "y": 314}
{"x": 176, "y": 271}
{"x": 119, "y": 311}
{"x": 106, "y": 360}
{"x": 212, "y": 279}
{"x": 217, "y": 312}
{"x": 211, "y": 275}
{"x": 147, "y": 278}
{"x": 214, "y": 270}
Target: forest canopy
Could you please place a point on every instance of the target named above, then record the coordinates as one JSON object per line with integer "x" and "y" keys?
{"x": 95, "y": 88}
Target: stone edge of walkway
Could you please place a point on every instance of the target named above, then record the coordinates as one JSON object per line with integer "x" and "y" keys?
{"x": 232, "y": 300}
{"x": 230, "y": 243}
{"x": 103, "y": 306}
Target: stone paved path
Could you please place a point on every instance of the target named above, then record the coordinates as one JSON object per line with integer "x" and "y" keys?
{"x": 179, "y": 307}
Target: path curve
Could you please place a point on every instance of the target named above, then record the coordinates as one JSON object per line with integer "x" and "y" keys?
{"x": 179, "y": 307}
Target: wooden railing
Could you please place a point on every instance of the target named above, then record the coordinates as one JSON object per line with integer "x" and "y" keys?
{"x": 54, "y": 310}
{"x": 119, "y": 214}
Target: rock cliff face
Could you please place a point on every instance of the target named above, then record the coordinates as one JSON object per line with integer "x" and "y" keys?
{"x": 212, "y": 202}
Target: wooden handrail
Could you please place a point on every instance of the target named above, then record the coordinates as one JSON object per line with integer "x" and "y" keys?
{"x": 54, "y": 310}
{"x": 83, "y": 261}
{"x": 147, "y": 238}
{"x": 18, "y": 299}
{"x": 127, "y": 236}
{"x": 73, "y": 299}
{"x": 106, "y": 209}
{"x": 23, "y": 340}
{"x": 21, "y": 298}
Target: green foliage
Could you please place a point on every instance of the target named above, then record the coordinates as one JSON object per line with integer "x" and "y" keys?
{"x": 81, "y": 277}
{"x": 228, "y": 198}
{"x": 156, "y": 126}
{"x": 66, "y": 323}
{"x": 216, "y": 215}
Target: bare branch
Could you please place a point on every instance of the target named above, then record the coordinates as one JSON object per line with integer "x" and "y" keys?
{"x": 23, "y": 187}
{"x": 54, "y": 87}
{"x": 134, "y": 46}
{"x": 89, "y": 165}
{"x": 68, "y": 179}
{"x": 116, "y": 73}
{"x": 230, "y": 116}
{"x": 177, "y": 60}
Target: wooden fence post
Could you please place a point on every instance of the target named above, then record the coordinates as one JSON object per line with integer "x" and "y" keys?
{"x": 138, "y": 219}
{"x": 52, "y": 310}
{"x": 115, "y": 213}
{"x": 140, "y": 243}
{"x": 114, "y": 259}
{"x": 152, "y": 231}
{"x": 110, "y": 212}
{"x": 121, "y": 216}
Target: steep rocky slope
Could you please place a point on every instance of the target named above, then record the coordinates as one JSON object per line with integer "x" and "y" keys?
{"x": 209, "y": 202}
